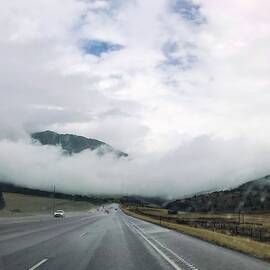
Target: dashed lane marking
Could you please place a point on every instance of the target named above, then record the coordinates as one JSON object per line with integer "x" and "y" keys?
{"x": 38, "y": 264}
{"x": 83, "y": 234}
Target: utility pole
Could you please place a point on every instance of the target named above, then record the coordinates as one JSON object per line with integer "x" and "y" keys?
{"x": 53, "y": 199}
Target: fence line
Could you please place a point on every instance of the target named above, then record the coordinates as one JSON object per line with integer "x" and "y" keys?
{"x": 252, "y": 230}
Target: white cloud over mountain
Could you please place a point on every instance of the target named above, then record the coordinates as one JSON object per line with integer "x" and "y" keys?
{"x": 149, "y": 77}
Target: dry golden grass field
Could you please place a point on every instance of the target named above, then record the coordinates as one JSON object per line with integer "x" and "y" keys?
{"x": 21, "y": 205}
{"x": 256, "y": 218}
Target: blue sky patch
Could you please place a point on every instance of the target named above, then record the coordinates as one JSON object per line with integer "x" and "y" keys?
{"x": 97, "y": 47}
{"x": 188, "y": 10}
{"x": 175, "y": 56}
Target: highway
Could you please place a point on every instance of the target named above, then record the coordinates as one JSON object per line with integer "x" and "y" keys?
{"x": 102, "y": 241}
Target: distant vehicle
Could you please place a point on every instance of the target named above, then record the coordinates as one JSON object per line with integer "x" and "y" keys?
{"x": 107, "y": 211}
{"x": 59, "y": 213}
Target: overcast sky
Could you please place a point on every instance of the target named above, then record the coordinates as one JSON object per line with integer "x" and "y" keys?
{"x": 182, "y": 86}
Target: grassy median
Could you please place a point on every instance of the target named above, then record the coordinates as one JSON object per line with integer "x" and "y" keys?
{"x": 242, "y": 244}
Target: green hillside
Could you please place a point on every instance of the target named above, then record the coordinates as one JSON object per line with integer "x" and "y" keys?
{"x": 73, "y": 144}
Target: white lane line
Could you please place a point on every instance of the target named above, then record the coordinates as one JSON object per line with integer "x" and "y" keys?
{"x": 38, "y": 264}
{"x": 178, "y": 257}
{"x": 190, "y": 265}
{"x": 83, "y": 234}
{"x": 162, "y": 254}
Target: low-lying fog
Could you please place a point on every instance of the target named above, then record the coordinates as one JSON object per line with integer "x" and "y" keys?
{"x": 199, "y": 165}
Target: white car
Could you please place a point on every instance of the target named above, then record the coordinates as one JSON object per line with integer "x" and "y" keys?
{"x": 59, "y": 213}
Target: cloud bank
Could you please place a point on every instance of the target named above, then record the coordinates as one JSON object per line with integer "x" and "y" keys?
{"x": 202, "y": 164}
{"x": 182, "y": 86}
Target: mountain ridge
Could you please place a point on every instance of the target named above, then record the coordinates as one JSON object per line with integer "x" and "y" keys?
{"x": 73, "y": 144}
{"x": 250, "y": 196}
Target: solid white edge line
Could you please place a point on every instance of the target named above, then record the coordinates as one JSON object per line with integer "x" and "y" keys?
{"x": 162, "y": 254}
{"x": 177, "y": 256}
{"x": 190, "y": 265}
{"x": 38, "y": 264}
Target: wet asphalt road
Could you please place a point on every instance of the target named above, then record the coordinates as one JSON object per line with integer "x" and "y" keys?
{"x": 100, "y": 241}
